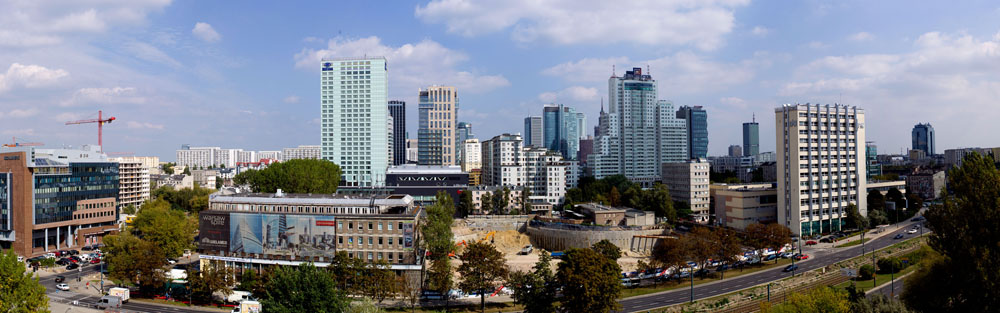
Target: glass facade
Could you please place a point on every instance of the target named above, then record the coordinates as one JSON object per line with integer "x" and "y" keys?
{"x": 397, "y": 109}
{"x": 751, "y": 139}
{"x": 697, "y": 123}
{"x": 354, "y": 118}
{"x": 923, "y": 138}
{"x": 56, "y": 195}
{"x": 5, "y": 222}
{"x": 564, "y": 127}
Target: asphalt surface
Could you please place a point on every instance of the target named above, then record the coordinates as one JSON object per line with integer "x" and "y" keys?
{"x": 818, "y": 258}
{"x": 88, "y": 300}
{"x": 890, "y": 290}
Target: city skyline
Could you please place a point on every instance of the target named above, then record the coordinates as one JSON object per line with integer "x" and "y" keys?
{"x": 168, "y": 74}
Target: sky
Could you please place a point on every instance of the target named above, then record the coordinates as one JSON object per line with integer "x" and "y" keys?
{"x": 211, "y": 73}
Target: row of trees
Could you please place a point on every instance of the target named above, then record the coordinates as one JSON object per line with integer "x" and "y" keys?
{"x": 293, "y": 176}
{"x": 191, "y": 200}
{"x": 138, "y": 254}
{"x": 619, "y": 191}
{"x": 722, "y": 244}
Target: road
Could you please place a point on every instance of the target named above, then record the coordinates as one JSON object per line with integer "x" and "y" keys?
{"x": 818, "y": 258}
{"x": 895, "y": 288}
{"x": 87, "y": 300}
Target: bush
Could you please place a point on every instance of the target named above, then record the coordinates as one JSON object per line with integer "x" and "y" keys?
{"x": 890, "y": 265}
{"x": 866, "y": 272}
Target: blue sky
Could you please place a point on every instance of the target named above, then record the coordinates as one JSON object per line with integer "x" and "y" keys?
{"x": 244, "y": 75}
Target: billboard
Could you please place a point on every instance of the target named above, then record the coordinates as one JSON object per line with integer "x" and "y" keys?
{"x": 282, "y": 234}
{"x": 213, "y": 231}
{"x": 408, "y": 235}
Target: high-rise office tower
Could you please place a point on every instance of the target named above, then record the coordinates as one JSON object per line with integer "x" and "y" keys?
{"x": 533, "y": 131}
{"x": 735, "y": 150}
{"x": 563, "y": 127}
{"x": 751, "y": 138}
{"x": 821, "y": 166}
{"x": 397, "y": 109}
{"x": 923, "y": 138}
{"x": 436, "y": 135}
{"x": 638, "y": 132}
{"x": 871, "y": 159}
{"x": 462, "y": 133}
{"x": 697, "y": 128}
{"x": 354, "y": 125}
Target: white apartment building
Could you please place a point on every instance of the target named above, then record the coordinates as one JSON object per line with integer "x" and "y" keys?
{"x": 506, "y": 162}
{"x": 821, "y": 165}
{"x": 274, "y": 155}
{"x": 133, "y": 181}
{"x": 197, "y": 156}
{"x": 689, "y": 182}
{"x": 151, "y": 163}
{"x": 353, "y": 130}
{"x": 300, "y": 152}
{"x": 245, "y": 156}
{"x": 472, "y": 157}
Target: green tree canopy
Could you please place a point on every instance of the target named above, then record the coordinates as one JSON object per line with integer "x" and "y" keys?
{"x": 607, "y": 249}
{"x": 378, "y": 281}
{"x": 824, "y": 299}
{"x": 964, "y": 230}
{"x": 212, "y": 279}
{"x": 19, "y": 292}
{"x": 854, "y": 218}
{"x": 465, "y": 204}
{"x": 536, "y": 290}
{"x": 303, "y": 289}
{"x": 590, "y": 282}
{"x": 437, "y": 228}
{"x": 293, "y": 176}
{"x": 171, "y": 230}
{"x": 135, "y": 261}
{"x": 187, "y": 199}
{"x": 876, "y": 202}
{"x": 483, "y": 268}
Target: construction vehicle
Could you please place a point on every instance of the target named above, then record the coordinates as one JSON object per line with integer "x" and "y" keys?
{"x": 489, "y": 236}
{"x": 100, "y": 120}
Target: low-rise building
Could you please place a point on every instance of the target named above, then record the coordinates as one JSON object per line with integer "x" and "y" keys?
{"x": 884, "y": 186}
{"x": 258, "y": 232}
{"x": 513, "y": 203}
{"x": 927, "y": 185}
{"x": 205, "y": 178}
{"x": 739, "y": 205}
{"x": 176, "y": 181}
{"x": 612, "y": 216}
{"x": 689, "y": 182}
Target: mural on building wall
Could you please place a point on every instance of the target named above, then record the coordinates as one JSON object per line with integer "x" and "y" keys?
{"x": 282, "y": 234}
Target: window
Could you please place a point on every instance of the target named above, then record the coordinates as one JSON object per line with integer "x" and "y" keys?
{"x": 370, "y": 226}
{"x": 390, "y": 241}
{"x": 389, "y": 225}
{"x": 369, "y": 256}
{"x": 370, "y": 240}
{"x": 350, "y": 240}
{"x": 350, "y": 225}
{"x": 379, "y": 225}
{"x": 340, "y": 239}
{"x": 380, "y": 240}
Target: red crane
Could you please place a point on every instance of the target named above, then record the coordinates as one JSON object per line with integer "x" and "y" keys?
{"x": 21, "y": 144}
{"x": 100, "y": 126}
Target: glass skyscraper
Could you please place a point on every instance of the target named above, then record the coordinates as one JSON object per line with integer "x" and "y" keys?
{"x": 397, "y": 109}
{"x": 563, "y": 127}
{"x": 354, "y": 126}
{"x": 751, "y": 138}
{"x": 923, "y": 138}
{"x": 697, "y": 126}
{"x": 436, "y": 133}
{"x": 533, "y": 131}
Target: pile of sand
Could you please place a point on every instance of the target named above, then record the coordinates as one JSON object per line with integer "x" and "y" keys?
{"x": 510, "y": 241}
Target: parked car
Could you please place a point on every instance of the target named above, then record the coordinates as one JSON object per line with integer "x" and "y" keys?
{"x": 72, "y": 266}
{"x": 87, "y": 248}
{"x": 826, "y": 239}
{"x": 912, "y": 231}
{"x": 95, "y": 261}
{"x": 791, "y": 267}
{"x": 811, "y": 242}
{"x": 73, "y": 252}
{"x": 75, "y": 259}
{"x": 63, "y": 287}
{"x": 701, "y": 273}
{"x": 802, "y": 257}
{"x": 63, "y": 261}
{"x": 722, "y": 267}
{"x": 898, "y": 236}
{"x": 60, "y": 279}
{"x": 771, "y": 257}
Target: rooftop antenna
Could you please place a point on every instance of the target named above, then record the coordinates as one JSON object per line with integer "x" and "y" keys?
{"x": 754, "y": 118}
{"x": 612, "y": 70}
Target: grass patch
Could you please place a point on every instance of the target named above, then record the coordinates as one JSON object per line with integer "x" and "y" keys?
{"x": 865, "y": 285}
{"x": 853, "y": 243}
{"x": 671, "y": 285}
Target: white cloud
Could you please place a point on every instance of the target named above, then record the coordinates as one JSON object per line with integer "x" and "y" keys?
{"x": 818, "y": 45}
{"x": 19, "y": 113}
{"x": 760, "y": 31}
{"x": 574, "y": 93}
{"x": 19, "y": 132}
{"x": 143, "y": 125}
{"x": 205, "y": 32}
{"x": 114, "y": 95}
{"x": 291, "y": 99}
{"x": 684, "y": 72}
{"x": 30, "y": 76}
{"x": 862, "y": 36}
{"x": 650, "y": 22}
{"x": 150, "y": 53}
{"x": 734, "y": 102}
{"x": 37, "y": 23}
{"x": 413, "y": 65}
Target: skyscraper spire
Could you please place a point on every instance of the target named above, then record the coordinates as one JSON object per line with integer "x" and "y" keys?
{"x": 754, "y": 118}
{"x": 602, "y": 104}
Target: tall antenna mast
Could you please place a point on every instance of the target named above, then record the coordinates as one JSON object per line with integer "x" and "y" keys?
{"x": 754, "y": 118}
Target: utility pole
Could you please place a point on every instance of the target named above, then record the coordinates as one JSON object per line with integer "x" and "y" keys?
{"x": 691, "y": 272}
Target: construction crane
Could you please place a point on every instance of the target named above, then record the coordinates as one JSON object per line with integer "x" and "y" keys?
{"x": 100, "y": 126}
{"x": 14, "y": 143}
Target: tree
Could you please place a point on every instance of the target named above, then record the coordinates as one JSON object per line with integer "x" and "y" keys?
{"x": 915, "y": 201}
{"x": 303, "y": 289}
{"x": 896, "y": 197}
{"x": 699, "y": 244}
{"x": 169, "y": 229}
{"x": 535, "y": 290}
{"x": 854, "y": 218}
{"x": 876, "y": 202}
{"x": 964, "y": 278}
{"x": 345, "y": 271}
{"x": 866, "y": 272}
{"x": 525, "y": 200}
{"x": 363, "y": 305}
{"x": 187, "y": 170}
{"x": 207, "y": 282}
{"x": 607, "y": 249}
{"x": 615, "y": 198}
{"x": 437, "y": 229}
{"x": 167, "y": 168}
{"x": 253, "y": 282}
{"x": 483, "y": 268}
{"x": 590, "y": 282}
{"x": 439, "y": 276}
{"x": 129, "y": 209}
{"x": 877, "y": 217}
{"x": 824, "y": 299}
{"x": 379, "y": 281}
{"x": 670, "y": 253}
{"x": 890, "y": 265}
{"x": 486, "y": 203}
{"x": 727, "y": 245}
{"x": 683, "y": 209}
{"x": 20, "y": 292}
{"x": 658, "y": 200}
{"x": 504, "y": 200}
{"x": 879, "y": 303}
{"x": 293, "y": 176}
{"x": 777, "y": 237}
{"x": 134, "y": 261}
{"x": 465, "y": 204}
{"x": 757, "y": 237}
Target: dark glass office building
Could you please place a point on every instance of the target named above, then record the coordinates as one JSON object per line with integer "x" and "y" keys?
{"x": 751, "y": 138}
{"x": 923, "y": 138}
{"x": 697, "y": 129}
{"x": 397, "y": 109}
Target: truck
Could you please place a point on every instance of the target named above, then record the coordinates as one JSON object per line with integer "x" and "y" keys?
{"x": 248, "y": 306}
{"x": 526, "y": 250}
{"x": 121, "y": 293}
{"x": 108, "y": 302}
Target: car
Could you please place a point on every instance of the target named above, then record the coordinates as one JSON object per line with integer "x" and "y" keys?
{"x": 898, "y": 236}
{"x": 171, "y": 261}
{"x": 72, "y": 266}
{"x": 75, "y": 259}
{"x": 60, "y": 279}
{"x": 63, "y": 287}
{"x": 63, "y": 261}
{"x": 917, "y": 219}
{"x": 771, "y": 257}
{"x": 722, "y": 268}
{"x": 912, "y": 231}
{"x": 87, "y": 248}
{"x": 701, "y": 273}
{"x": 791, "y": 267}
{"x": 95, "y": 261}
{"x": 826, "y": 239}
{"x": 802, "y": 257}
{"x": 811, "y": 243}
{"x": 73, "y": 252}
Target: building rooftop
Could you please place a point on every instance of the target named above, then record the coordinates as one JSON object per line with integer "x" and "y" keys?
{"x": 424, "y": 169}
{"x": 595, "y": 207}
{"x": 315, "y": 199}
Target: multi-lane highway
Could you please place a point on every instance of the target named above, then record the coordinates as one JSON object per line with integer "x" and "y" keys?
{"x": 818, "y": 258}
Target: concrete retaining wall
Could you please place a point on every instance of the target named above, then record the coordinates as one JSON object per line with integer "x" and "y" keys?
{"x": 496, "y": 222}
{"x": 555, "y": 239}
